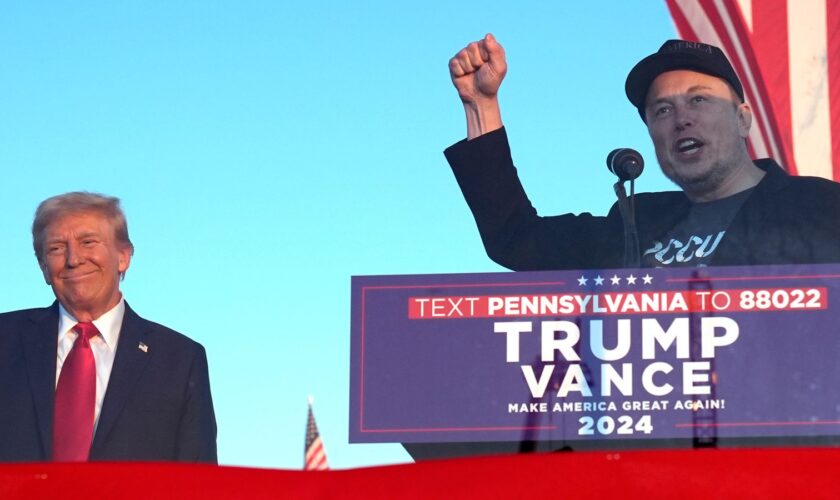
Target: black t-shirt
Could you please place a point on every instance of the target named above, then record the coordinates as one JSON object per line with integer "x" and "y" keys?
{"x": 693, "y": 240}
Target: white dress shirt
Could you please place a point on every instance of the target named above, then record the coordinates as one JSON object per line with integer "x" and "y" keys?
{"x": 104, "y": 347}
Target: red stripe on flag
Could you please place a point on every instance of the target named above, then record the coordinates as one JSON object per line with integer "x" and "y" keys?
{"x": 316, "y": 458}
{"x": 684, "y": 29}
{"x": 833, "y": 52}
{"x": 770, "y": 44}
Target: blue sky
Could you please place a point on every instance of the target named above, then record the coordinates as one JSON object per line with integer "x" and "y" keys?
{"x": 265, "y": 152}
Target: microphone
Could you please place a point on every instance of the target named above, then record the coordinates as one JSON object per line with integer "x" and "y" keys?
{"x": 626, "y": 163}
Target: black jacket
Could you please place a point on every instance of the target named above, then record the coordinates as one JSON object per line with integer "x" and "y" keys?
{"x": 786, "y": 219}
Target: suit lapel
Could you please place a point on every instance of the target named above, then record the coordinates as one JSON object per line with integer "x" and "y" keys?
{"x": 40, "y": 341}
{"x": 129, "y": 363}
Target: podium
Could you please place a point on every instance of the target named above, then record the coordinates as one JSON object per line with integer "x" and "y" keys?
{"x": 621, "y": 359}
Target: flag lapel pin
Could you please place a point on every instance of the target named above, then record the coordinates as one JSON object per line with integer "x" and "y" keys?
{"x": 143, "y": 347}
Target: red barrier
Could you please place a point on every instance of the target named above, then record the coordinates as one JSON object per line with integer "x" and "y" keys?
{"x": 680, "y": 474}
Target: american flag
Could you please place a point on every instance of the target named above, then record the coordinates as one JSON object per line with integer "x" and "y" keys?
{"x": 314, "y": 456}
{"x": 787, "y": 53}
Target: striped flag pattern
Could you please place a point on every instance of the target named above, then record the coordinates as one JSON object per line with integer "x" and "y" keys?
{"x": 786, "y": 53}
{"x": 314, "y": 456}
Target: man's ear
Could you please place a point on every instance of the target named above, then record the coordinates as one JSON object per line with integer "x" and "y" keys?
{"x": 124, "y": 259}
{"x": 744, "y": 113}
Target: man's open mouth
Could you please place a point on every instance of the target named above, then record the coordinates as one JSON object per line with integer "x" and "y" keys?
{"x": 689, "y": 145}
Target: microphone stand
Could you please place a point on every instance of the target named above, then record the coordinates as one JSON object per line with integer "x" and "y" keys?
{"x": 627, "y": 207}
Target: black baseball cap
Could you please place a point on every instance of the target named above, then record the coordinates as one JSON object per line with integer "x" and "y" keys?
{"x": 679, "y": 54}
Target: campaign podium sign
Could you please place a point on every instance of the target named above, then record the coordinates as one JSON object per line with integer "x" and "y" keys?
{"x": 729, "y": 352}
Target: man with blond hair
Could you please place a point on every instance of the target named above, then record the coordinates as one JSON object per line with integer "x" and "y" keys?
{"x": 87, "y": 378}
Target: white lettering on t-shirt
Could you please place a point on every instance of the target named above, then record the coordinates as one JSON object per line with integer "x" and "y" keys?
{"x": 678, "y": 252}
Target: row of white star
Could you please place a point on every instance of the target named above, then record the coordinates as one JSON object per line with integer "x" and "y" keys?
{"x": 615, "y": 280}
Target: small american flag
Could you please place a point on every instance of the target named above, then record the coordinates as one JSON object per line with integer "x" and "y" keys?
{"x": 314, "y": 456}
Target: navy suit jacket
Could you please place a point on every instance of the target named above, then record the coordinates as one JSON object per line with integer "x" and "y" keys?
{"x": 157, "y": 404}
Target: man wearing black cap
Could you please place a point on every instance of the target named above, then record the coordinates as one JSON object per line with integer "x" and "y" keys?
{"x": 731, "y": 210}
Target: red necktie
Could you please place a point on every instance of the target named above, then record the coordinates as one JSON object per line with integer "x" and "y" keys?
{"x": 75, "y": 398}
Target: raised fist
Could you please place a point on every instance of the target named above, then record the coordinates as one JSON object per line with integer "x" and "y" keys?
{"x": 478, "y": 69}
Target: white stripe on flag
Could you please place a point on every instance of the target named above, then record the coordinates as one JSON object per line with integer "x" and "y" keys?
{"x": 696, "y": 16}
{"x": 807, "y": 45}
{"x": 746, "y": 11}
